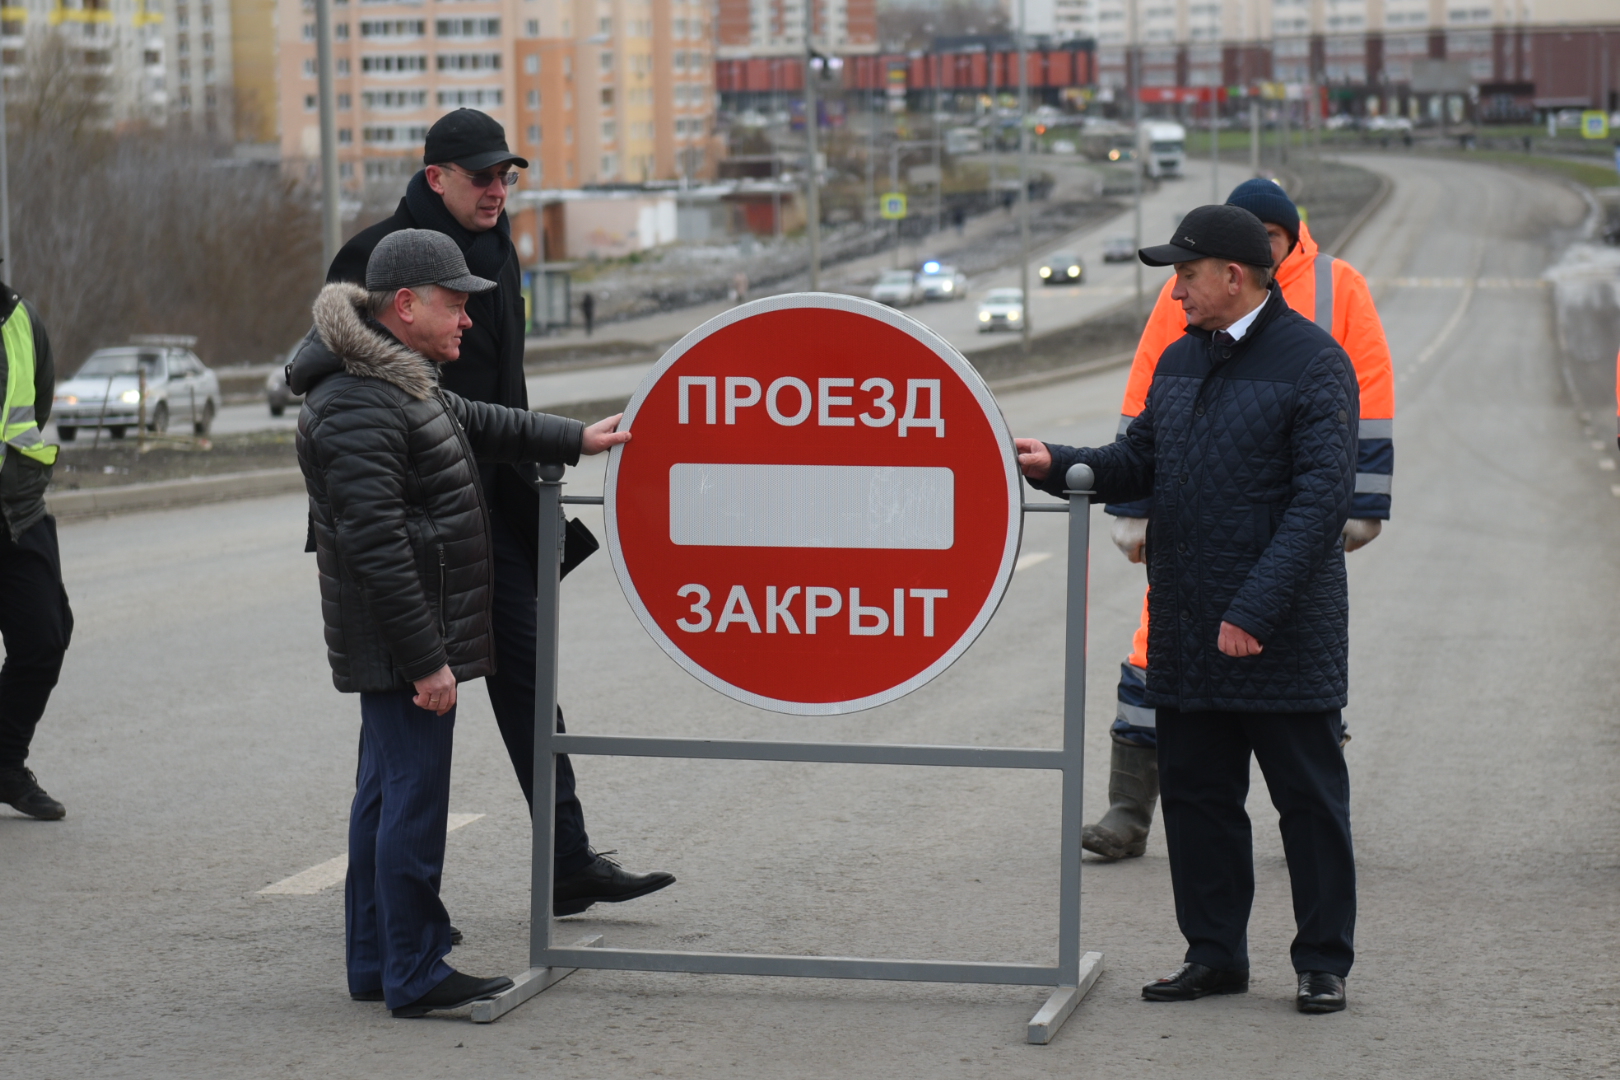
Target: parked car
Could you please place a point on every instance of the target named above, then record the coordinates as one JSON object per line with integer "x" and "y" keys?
{"x": 106, "y": 391}
{"x": 1001, "y": 309}
{"x": 937, "y": 281}
{"x": 897, "y": 288}
{"x": 1119, "y": 249}
{"x": 276, "y": 391}
{"x": 1064, "y": 268}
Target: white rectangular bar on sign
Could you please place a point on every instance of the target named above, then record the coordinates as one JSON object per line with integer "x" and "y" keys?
{"x": 812, "y": 506}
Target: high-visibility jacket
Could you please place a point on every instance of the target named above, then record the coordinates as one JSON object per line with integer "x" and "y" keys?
{"x": 29, "y": 379}
{"x": 1335, "y": 296}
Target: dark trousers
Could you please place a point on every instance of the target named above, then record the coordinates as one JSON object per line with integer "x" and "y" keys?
{"x": 36, "y": 624}
{"x": 396, "y": 929}
{"x": 511, "y": 693}
{"x": 1203, "y": 782}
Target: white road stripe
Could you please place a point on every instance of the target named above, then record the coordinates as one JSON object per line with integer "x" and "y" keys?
{"x": 333, "y": 871}
{"x": 1033, "y": 558}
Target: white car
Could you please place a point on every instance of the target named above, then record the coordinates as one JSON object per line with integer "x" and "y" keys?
{"x": 938, "y": 281}
{"x": 106, "y": 392}
{"x": 1001, "y": 309}
{"x": 897, "y": 288}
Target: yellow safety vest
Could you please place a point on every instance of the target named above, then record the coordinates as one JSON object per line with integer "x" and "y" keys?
{"x": 18, "y": 429}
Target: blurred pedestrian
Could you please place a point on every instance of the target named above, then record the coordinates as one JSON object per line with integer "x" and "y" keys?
{"x": 1330, "y": 292}
{"x": 587, "y": 309}
{"x": 462, "y": 193}
{"x": 398, "y": 522}
{"x": 739, "y": 287}
{"x": 958, "y": 218}
{"x": 1247, "y": 443}
{"x": 35, "y": 619}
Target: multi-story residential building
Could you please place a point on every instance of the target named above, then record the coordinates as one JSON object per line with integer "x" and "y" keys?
{"x": 590, "y": 91}
{"x": 197, "y": 44}
{"x": 120, "y": 46}
{"x": 764, "y": 28}
{"x": 253, "y": 69}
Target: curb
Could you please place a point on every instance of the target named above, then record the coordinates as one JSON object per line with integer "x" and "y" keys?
{"x": 168, "y": 494}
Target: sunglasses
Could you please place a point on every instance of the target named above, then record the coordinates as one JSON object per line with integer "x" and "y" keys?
{"x": 483, "y": 180}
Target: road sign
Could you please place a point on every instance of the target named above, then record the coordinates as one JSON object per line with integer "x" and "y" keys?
{"x": 820, "y": 508}
{"x": 1594, "y": 124}
{"x": 892, "y": 205}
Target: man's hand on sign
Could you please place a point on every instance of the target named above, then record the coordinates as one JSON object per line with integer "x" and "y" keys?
{"x": 1236, "y": 641}
{"x": 1033, "y": 458}
{"x": 437, "y": 692}
{"x": 1130, "y": 536}
{"x": 600, "y": 436}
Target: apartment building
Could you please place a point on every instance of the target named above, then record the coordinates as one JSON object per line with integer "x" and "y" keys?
{"x": 1515, "y": 55}
{"x": 198, "y": 74}
{"x": 751, "y": 29}
{"x": 590, "y": 91}
{"x": 120, "y": 44}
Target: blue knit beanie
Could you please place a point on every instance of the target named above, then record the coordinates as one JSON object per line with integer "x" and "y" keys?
{"x": 1268, "y": 202}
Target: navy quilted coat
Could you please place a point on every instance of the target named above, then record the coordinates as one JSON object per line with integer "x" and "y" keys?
{"x": 1249, "y": 452}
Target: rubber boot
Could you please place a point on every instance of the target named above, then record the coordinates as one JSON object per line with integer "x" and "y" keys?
{"x": 1133, "y": 788}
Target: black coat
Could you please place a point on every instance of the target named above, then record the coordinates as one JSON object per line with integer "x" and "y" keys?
{"x": 491, "y": 364}
{"x": 1249, "y": 452}
{"x": 401, "y": 532}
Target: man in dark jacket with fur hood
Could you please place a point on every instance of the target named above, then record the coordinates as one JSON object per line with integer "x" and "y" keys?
{"x": 403, "y": 547}
{"x": 461, "y": 193}
{"x": 1247, "y": 446}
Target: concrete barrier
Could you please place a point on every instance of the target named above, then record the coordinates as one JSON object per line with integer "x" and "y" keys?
{"x": 87, "y": 502}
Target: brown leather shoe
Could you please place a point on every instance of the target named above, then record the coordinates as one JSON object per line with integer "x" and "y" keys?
{"x": 1192, "y": 981}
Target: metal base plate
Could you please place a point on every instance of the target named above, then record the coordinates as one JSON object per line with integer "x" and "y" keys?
{"x": 1045, "y": 1024}
{"x": 526, "y": 986}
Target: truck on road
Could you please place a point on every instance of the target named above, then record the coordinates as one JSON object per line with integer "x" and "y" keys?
{"x": 1163, "y": 147}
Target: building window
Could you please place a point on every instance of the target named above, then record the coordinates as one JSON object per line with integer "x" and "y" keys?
{"x": 394, "y": 64}
{"x": 394, "y": 99}
{"x": 607, "y": 97}
{"x": 340, "y": 31}
{"x": 346, "y": 169}
{"x": 345, "y": 101}
{"x": 346, "y": 136}
{"x": 610, "y": 164}
{"x": 607, "y": 61}
{"x": 534, "y": 133}
{"x": 343, "y": 66}
{"x": 532, "y": 99}
{"x": 473, "y": 97}
{"x": 531, "y": 64}
{"x": 310, "y": 102}
{"x": 468, "y": 28}
{"x": 532, "y": 27}
{"x": 469, "y": 61}
{"x": 392, "y": 28}
{"x": 609, "y": 131}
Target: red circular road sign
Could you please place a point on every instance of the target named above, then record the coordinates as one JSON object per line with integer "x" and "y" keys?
{"x": 820, "y": 509}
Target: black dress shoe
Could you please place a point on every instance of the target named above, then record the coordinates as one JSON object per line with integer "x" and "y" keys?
{"x": 1320, "y": 992}
{"x": 367, "y": 995}
{"x": 19, "y": 788}
{"x": 455, "y": 991}
{"x": 1191, "y": 981}
{"x": 603, "y": 882}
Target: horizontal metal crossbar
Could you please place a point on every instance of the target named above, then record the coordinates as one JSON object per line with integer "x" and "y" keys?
{"x": 808, "y": 967}
{"x": 1046, "y": 508}
{"x": 582, "y": 500}
{"x": 968, "y": 757}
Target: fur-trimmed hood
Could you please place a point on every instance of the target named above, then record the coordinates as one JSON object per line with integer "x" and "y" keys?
{"x": 343, "y": 339}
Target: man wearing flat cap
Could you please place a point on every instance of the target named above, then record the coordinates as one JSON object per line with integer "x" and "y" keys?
{"x": 406, "y": 565}
{"x": 1247, "y": 445}
{"x": 461, "y": 193}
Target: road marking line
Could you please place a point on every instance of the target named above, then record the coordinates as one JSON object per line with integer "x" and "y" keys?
{"x": 1614, "y": 489}
{"x": 1606, "y": 464}
{"x": 1032, "y": 559}
{"x": 332, "y": 872}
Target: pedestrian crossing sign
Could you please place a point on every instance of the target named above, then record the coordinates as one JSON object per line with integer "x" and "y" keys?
{"x": 892, "y": 206}
{"x": 1594, "y": 124}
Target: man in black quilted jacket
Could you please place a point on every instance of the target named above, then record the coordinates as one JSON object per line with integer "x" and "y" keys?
{"x": 1248, "y": 448}
{"x": 403, "y": 547}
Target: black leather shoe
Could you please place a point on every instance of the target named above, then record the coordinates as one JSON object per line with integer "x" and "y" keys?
{"x": 603, "y": 882}
{"x": 367, "y": 995}
{"x": 1192, "y": 981}
{"x": 1320, "y": 992}
{"x": 19, "y": 788}
{"x": 455, "y": 991}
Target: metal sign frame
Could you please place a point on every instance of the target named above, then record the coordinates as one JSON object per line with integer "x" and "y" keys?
{"x": 1071, "y": 977}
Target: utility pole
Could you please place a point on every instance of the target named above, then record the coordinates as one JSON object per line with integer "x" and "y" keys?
{"x": 1136, "y": 156}
{"x": 9, "y": 270}
{"x": 939, "y": 164}
{"x": 1254, "y": 131}
{"x": 811, "y": 124}
{"x": 1023, "y": 174}
{"x": 331, "y": 219}
{"x": 1214, "y": 145}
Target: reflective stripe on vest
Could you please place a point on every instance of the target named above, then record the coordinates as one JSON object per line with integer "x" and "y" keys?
{"x": 1324, "y": 292}
{"x": 18, "y": 431}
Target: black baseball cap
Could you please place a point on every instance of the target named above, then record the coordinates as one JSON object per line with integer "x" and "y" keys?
{"x": 468, "y": 138}
{"x": 1214, "y": 232}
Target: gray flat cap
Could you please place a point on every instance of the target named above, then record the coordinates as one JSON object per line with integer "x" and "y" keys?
{"x": 412, "y": 258}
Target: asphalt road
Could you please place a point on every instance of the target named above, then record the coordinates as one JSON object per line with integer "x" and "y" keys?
{"x": 203, "y": 755}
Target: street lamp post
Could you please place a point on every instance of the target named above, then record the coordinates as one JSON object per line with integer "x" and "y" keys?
{"x": 331, "y": 222}
{"x": 811, "y": 124}
{"x": 1023, "y": 175}
{"x": 1136, "y": 158}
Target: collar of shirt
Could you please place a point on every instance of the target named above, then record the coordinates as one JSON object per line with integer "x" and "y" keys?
{"x": 1241, "y": 327}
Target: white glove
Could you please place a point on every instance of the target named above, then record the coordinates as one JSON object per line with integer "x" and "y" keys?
{"x": 1358, "y": 532}
{"x": 1130, "y": 536}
